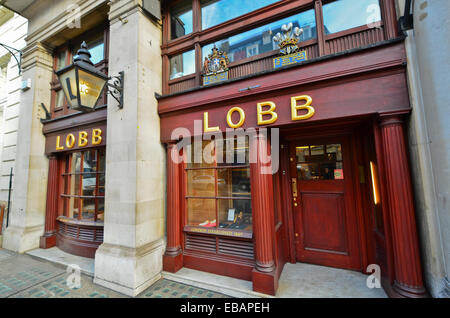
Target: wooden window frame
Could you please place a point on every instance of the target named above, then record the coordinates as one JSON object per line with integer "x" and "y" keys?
{"x": 186, "y": 226}
{"x": 64, "y": 188}
{"x": 275, "y": 11}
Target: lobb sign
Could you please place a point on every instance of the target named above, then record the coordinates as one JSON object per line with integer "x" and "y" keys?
{"x": 73, "y": 140}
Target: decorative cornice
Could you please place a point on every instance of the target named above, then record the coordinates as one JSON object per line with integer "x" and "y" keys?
{"x": 37, "y": 54}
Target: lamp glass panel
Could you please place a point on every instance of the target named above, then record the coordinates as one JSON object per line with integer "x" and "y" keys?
{"x": 68, "y": 84}
{"x": 90, "y": 87}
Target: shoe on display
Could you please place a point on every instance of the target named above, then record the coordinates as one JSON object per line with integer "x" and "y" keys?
{"x": 211, "y": 224}
{"x": 206, "y": 223}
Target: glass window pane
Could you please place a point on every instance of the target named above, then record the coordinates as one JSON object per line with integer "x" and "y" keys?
{"x": 100, "y": 209}
{"x": 95, "y": 43}
{"x": 59, "y": 102}
{"x": 260, "y": 40}
{"x": 234, "y": 182}
{"x": 201, "y": 183}
{"x": 61, "y": 59}
{"x": 320, "y": 165}
{"x": 97, "y": 51}
{"x": 342, "y": 15}
{"x": 88, "y": 209}
{"x": 302, "y": 153}
{"x": 73, "y": 207}
{"x": 334, "y": 152}
{"x": 232, "y": 151}
{"x": 201, "y": 212}
{"x": 182, "y": 64}
{"x": 200, "y": 155}
{"x": 181, "y": 19}
{"x": 235, "y": 214}
{"x": 215, "y": 12}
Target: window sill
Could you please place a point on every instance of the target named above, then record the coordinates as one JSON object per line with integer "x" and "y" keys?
{"x": 217, "y": 231}
{"x": 67, "y": 220}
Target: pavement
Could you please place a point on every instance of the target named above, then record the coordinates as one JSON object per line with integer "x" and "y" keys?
{"x": 24, "y": 276}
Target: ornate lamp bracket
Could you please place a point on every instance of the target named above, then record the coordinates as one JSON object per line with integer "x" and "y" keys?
{"x": 18, "y": 59}
{"x": 115, "y": 88}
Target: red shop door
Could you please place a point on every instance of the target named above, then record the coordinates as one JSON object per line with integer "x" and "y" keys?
{"x": 325, "y": 223}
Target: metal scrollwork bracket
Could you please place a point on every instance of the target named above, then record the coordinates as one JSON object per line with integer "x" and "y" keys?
{"x": 115, "y": 88}
{"x": 11, "y": 50}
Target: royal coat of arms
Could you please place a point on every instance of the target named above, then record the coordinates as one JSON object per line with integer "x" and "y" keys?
{"x": 216, "y": 62}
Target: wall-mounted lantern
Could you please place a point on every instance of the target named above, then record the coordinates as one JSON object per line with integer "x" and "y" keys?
{"x": 83, "y": 84}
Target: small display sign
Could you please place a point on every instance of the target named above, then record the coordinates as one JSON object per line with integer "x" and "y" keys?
{"x": 217, "y": 78}
{"x": 231, "y": 214}
{"x": 289, "y": 59}
{"x": 338, "y": 174}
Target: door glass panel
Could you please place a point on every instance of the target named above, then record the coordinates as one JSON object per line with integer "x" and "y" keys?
{"x": 320, "y": 162}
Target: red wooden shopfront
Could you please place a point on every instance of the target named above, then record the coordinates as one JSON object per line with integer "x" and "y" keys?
{"x": 361, "y": 214}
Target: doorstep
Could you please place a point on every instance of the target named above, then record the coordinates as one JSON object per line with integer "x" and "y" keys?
{"x": 222, "y": 284}
{"x": 55, "y": 255}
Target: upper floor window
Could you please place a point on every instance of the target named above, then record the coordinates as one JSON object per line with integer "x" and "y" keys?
{"x": 341, "y": 15}
{"x": 215, "y": 12}
{"x": 181, "y": 22}
{"x": 260, "y": 40}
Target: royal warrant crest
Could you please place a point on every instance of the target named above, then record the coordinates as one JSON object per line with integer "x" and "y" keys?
{"x": 288, "y": 44}
{"x": 215, "y": 67}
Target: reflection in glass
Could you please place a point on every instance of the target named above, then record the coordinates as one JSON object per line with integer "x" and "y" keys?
{"x": 234, "y": 182}
{"x": 182, "y": 64}
{"x": 323, "y": 163}
{"x": 234, "y": 151}
{"x": 200, "y": 154}
{"x": 88, "y": 210}
{"x": 260, "y": 40}
{"x": 215, "y": 12}
{"x": 342, "y": 15}
{"x": 59, "y": 99}
{"x": 181, "y": 19}
{"x": 202, "y": 212}
{"x": 201, "y": 183}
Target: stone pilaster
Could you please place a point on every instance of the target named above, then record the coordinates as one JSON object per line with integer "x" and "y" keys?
{"x": 130, "y": 259}
{"x": 27, "y": 216}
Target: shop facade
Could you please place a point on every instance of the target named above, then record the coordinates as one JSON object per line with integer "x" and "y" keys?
{"x": 339, "y": 193}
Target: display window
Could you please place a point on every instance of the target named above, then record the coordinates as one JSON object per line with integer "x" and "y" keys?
{"x": 218, "y": 187}
{"x": 83, "y": 185}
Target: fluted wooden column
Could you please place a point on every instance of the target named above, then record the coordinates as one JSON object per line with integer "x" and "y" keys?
{"x": 51, "y": 211}
{"x": 408, "y": 272}
{"x": 173, "y": 257}
{"x": 263, "y": 275}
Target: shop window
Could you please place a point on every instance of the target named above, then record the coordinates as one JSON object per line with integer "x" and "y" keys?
{"x": 181, "y": 19}
{"x": 260, "y": 40}
{"x": 182, "y": 64}
{"x": 320, "y": 162}
{"x": 218, "y": 186}
{"x": 83, "y": 186}
{"x": 215, "y": 12}
{"x": 341, "y": 15}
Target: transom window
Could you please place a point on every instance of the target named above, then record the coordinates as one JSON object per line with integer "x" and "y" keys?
{"x": 83, "y": 186}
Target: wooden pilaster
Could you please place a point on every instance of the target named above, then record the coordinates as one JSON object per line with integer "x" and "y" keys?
{"x": 263, "y": 275}
{"x": 408, "y": 272}
{"x": 51, "y": 211}
{"x": 173, "y": 257}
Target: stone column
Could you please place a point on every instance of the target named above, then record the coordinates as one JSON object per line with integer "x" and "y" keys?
{"x": 173, "y": 258}
{"x": 27, "y": 216}
{"x": 263, "y": 275}
{"x": 130, "y": 258}
{"x": 408, "y": 272}
{"x": 51, "y": 211}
